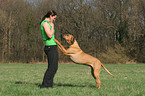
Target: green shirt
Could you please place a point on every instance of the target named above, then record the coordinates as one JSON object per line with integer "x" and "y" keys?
{"x": 48, "y": 41}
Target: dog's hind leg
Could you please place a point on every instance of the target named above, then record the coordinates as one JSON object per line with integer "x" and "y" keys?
{"x": 92, "y": 71}
{"x": 96, "y": 75}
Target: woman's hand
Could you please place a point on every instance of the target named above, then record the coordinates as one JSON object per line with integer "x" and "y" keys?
{"x": 52, "y": 25}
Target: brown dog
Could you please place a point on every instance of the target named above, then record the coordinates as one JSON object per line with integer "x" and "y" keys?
{"x": 78, "y": 56}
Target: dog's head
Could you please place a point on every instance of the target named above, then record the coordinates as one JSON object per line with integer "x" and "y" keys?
{"x": 69, "y": 38}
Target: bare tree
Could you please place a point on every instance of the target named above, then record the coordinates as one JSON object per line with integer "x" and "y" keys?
{"x": 98, "y": 26}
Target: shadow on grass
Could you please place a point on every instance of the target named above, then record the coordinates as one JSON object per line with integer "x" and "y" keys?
{"x": 55, "y": 84}
{"x": 27, "y": 83}
{"x": 71, "y": 85}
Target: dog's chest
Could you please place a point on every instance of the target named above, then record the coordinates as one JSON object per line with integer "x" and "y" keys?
{"x": 75, "y": 59}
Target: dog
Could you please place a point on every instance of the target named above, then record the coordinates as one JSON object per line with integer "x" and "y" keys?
{"x": 79, "y": 57}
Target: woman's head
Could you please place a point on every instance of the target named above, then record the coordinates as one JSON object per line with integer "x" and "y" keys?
{"x": 50, "y": 14}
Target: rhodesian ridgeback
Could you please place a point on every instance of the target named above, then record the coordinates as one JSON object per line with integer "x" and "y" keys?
{"x": 79, "y": 57}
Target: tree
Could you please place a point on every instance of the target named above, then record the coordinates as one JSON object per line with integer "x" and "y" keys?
{"x": 98, "y": 26}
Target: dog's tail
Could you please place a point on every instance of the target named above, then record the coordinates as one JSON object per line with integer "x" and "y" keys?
{"x": 107, "y": 70}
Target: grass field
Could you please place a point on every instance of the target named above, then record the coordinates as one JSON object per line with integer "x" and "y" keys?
{"x": 72, "y": 80}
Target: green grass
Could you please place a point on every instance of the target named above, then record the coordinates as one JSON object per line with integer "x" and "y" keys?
{"x": 72, "y": 80}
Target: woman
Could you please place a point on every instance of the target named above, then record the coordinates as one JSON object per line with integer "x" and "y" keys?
{"x": 50, "y": 49}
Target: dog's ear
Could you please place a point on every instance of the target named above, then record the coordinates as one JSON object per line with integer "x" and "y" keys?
{"x": 72, "y": 40}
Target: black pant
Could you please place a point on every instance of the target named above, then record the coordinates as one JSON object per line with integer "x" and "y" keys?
{"x": 52, "y": 57}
